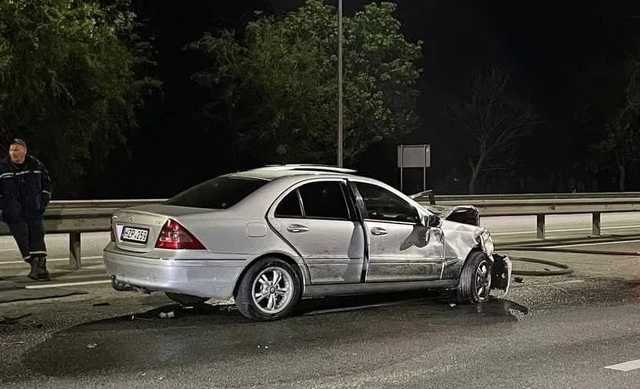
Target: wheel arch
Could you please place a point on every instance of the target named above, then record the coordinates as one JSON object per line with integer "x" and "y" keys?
{"x": 296, "y": 266}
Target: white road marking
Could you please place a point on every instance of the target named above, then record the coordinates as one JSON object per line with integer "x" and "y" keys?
{"x": 48, "y": 260}
{"x": 626, "y": 366}
{"x": 44, "y": 286}
{"x": 564, "y": 230}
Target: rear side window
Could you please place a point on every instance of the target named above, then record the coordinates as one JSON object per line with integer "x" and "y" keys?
{"x": 289, "y": 206}
{"x": 218, "y": 193}
{"x": 324, "y": 200}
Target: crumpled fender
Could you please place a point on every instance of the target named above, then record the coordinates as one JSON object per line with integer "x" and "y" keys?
{"x": 460, "y": 239}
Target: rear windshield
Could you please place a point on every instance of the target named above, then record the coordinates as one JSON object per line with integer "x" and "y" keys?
{"x": 218, "y": 193}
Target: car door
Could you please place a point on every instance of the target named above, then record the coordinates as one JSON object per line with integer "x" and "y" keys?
{"x": 400, "y": 248}
{"x": 318, "y": 220}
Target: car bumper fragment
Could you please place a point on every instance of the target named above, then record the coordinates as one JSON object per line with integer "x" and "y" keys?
{"x": 501, "y": 277}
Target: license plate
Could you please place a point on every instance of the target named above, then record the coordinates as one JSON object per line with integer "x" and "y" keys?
{"x": 134, "y": 234}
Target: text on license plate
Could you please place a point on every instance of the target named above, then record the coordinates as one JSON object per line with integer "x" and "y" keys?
{"x": 133, "y": 234}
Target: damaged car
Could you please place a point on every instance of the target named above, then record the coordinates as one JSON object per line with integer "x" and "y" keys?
{"x": 271, "y": 236}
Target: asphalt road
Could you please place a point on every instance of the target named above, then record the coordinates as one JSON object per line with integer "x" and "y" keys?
{"x": 551, "y": 332}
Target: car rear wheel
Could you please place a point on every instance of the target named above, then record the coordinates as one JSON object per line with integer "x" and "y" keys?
{"x": 269, "y": 290}
{"x": 186, "y": 300}
{"x": 475, "y": 281}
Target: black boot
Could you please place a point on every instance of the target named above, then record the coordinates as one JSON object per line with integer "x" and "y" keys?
{"x": 43, "y": 274}
{"x": 33, "y": 274}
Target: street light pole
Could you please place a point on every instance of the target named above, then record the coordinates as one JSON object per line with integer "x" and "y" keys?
{"x": 340, "y": 135}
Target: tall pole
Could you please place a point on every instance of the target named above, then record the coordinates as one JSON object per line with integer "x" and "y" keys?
{"x": 340, "y": 135}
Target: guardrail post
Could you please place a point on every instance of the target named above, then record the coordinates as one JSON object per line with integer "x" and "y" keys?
{"x": 595, "y": 227}
{"x": 540, "y": 226}
{"x": 74, "y": 250}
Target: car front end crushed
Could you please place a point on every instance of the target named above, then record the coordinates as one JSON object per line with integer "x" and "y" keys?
{"x": 461, "y": 239}
{"x": 502, "y": 266}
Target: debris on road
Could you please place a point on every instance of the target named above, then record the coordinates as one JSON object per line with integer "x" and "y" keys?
{"x": 519, "y": 280}
{"x": 101, "y": 304}
{"x": 12, "y": 320}
{"x": 92, "y": 345}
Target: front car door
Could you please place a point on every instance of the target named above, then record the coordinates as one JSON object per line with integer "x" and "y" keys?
{"x": 318, "y": 219}
{"x": 400, "y": 248}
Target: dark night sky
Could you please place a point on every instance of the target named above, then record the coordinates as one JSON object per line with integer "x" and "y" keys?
{"x": 563, "y": 55}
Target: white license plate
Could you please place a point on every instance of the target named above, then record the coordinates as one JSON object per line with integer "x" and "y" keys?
{"x": 134, "y": 234}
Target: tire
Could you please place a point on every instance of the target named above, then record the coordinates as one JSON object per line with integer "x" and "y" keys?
{"x": 186, "y": 300}
{"x": 258, "y": 298}
{"x": 474, "y": 285}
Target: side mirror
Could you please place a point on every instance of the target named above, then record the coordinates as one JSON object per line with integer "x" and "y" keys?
{"x": 431, "y": 221}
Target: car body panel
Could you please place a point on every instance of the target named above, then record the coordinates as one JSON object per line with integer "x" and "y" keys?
{"x": 401, "y": 252}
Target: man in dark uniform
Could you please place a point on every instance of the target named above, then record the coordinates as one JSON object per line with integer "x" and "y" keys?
{"x": 24, "y": 195}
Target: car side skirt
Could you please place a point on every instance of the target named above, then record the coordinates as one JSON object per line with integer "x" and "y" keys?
{"x": 374, "y": 287}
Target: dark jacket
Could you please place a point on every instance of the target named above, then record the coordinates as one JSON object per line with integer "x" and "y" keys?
{"x": 24, "y": 190}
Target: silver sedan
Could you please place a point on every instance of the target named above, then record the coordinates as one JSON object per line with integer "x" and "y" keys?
{"x": 271, "y": 236}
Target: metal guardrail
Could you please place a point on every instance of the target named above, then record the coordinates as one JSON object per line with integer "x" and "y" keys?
{"x": 76, "y": 217}
{"x": 542, "y": 204}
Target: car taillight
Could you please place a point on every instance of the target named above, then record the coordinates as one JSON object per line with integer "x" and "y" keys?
{"x": 175, "y": 237}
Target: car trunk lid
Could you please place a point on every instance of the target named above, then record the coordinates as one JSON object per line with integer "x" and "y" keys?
{"x": 137, "y": 229}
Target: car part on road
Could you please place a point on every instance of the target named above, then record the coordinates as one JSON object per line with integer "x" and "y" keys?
{"x": 564, "y": 268}
{"x": 186, "y": 300}
{"x": 576, "y": 251}
{"x": 12, "y": 320}
{"x": 269, "y": 290}
{"x": 475, "y": 280}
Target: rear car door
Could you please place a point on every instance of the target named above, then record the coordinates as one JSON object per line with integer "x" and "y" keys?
{"x": 400, "y": 248}
{"x": 318, "y": 220}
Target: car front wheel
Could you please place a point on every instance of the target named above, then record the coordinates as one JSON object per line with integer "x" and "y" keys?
{"x": 269, "y": 290}
{"x": 475, "y": 281}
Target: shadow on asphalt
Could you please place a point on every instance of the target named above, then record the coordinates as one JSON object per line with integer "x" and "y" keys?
{"x": 171, "y": 334}
{"x": 435, "y": 302}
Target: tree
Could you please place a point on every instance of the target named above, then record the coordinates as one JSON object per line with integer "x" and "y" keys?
{"x": 623, "y": 130}
{"x": 277, "y": 83}
{"x": 490, "y": 121}
{"x": 67, "y": 78}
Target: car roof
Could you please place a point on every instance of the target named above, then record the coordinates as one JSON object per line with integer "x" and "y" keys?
{"x": 274, "y": 172}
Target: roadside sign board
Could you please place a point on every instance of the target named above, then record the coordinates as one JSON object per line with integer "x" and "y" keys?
{"x": 414, "y": 156}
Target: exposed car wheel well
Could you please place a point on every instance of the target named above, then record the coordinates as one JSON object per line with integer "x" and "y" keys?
{"x": 285, "y": 258}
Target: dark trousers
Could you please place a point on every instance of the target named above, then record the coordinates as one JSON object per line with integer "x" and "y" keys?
{"x": 29, "y": 236}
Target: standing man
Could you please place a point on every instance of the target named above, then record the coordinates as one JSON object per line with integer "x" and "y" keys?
{"x": 24, "y": 195}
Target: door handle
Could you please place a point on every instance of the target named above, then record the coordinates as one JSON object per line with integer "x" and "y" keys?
{"x": 295, "y": 228}
{"x": 378, "y": 231}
